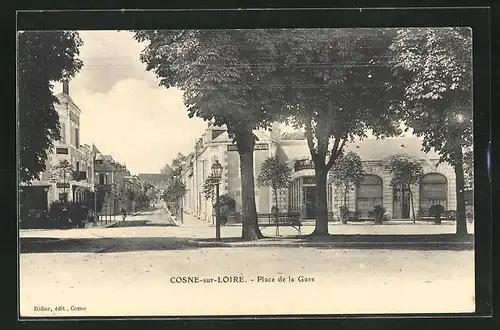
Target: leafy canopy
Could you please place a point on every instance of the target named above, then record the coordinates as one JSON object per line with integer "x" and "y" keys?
{"x": 405, "y": 172}
{"x": 434, "y": 68}
{"x": 43, "y": 57}
{"x": 175, "y": 190}
{"x": 335, "y": 84}
{"x": 274, "y": 173}
{"x": 209, "y": 187}
{"x": 63, "y": 171}
{"x": 347, "y": 171}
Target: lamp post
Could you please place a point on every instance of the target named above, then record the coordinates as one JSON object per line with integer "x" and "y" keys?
{"x": 217, "y": 173}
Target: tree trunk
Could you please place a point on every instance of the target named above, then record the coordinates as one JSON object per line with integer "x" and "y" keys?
{"x": 276, "y": 215}
{"x": 460, "y": 191}
{"x": 344, "y": 217}
{"x": 276, "y": 198}
{"x": 249, "y": 212}
{"x": 346, "y": 190}
{"x": 412, "y": 205}
{"x": 321, "y": 202}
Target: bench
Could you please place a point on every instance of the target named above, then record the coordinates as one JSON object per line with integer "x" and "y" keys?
{"x": 446, "y": 215}
{"x": 282, "y": 219}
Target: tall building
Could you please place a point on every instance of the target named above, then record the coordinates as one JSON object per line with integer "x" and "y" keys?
{"x": 437, "y": 186}
{"x": 55, "y": 184}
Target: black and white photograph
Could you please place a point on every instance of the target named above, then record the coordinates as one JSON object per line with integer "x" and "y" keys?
{"x": 219, "y": 172}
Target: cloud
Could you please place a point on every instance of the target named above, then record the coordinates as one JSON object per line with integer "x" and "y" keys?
{"x": 141, "y": 126}
{"x": 109, "y": 57}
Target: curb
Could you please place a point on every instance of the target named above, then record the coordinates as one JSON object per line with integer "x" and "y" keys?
{"x": 360, "y": 245}
{"x": 174, "y": 220}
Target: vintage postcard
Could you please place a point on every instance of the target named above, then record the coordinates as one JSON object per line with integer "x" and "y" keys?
{"x": 245, "y": 172}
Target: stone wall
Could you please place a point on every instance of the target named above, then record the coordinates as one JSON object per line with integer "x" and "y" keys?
{"x": 381, "y": 169}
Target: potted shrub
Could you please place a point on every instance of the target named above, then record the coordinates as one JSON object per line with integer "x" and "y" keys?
{"x": 225, "y": 206}
{"x": 436, "y": 211}
{"x": 344, "y": 213}
{"x": 378, "y": 214}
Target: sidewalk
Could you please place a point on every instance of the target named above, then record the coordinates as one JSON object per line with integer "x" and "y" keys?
{"x": 110, "y": 222}
{"x": 187, "y": 220}
{"x": 191, "y": 221}
{"x": 417, "y": 242}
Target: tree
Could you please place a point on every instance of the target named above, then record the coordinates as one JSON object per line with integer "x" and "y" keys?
{"x": 63, "y": 172}
{"x": 174, "y": 192}
{"x": 335, "y": 87}
{"x": 347, "y": 171}
{"x": 179, "y": 160}
{"x": 43, "y": 57}
{"x": 209, "y": 187}
{"x": 276, "y": 174}
{"x": 434, "y": 68}
{"x": 167, "y": 170}
{"x": 223, "y": 75}
{"x": 405, "y": 173}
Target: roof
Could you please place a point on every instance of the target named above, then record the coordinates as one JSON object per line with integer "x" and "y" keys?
{"x": 104, "y": 167}
{"x": 67, "y": 97}
{"x": 263, "y": 136}
{"x": 224, "y": 137}
{"x": 295, "y": 149}
{"x": 95, "y": 150}
{"x": 378, "y": 149}
{"x": 368, "y": 149}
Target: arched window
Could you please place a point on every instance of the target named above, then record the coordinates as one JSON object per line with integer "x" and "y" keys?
{"x": 433, "y": 190}
{"x": 368, "y": 194}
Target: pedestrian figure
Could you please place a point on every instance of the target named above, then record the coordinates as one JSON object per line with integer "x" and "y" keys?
{"x": 124, "y": 214}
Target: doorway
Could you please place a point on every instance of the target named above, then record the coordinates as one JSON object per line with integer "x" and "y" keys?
{"x": 401, "y": 204}
{"x": 310, "y": 202}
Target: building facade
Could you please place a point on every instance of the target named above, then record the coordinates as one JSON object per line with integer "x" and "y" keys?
{"x": 437, "y": 186}
{"x": 215, "y": 144}
{"x": 110, "y": 177}
{"x": 54, "y": 185}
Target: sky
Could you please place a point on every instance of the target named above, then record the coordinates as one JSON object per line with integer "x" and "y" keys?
{"x": 124, "y": 111}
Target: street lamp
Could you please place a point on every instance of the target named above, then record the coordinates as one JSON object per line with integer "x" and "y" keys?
{"x": 217, "y": 174}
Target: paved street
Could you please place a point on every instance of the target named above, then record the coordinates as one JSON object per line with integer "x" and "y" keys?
{"x": 159, "y": 224}
{"x": 345, "y": 281}
{"x": 128, "y": 270}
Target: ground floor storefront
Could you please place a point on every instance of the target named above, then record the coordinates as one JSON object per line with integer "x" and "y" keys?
{"x": 37, "y": 199}
{"x": 437, "y": 186}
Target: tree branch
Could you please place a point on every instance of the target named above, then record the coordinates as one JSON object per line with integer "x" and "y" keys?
{"x": 336, "y": 149}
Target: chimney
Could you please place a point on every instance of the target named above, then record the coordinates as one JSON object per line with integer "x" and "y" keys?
{"x": 66, "y": 87}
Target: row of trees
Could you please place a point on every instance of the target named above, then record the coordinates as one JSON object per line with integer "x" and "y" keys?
{"x": 336, "y": 84}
